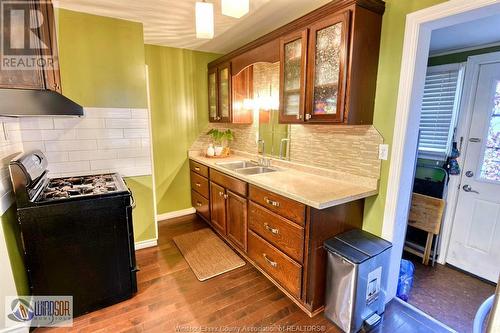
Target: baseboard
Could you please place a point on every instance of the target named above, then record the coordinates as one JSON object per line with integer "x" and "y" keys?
{"x": 177, "y": 213}
{"x": 146, "y": 243}
{"x": 22, "y": 328}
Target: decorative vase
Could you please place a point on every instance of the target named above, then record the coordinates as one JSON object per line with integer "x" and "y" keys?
{"x": 218, "y": 150}
{"x": 210, "y": 150}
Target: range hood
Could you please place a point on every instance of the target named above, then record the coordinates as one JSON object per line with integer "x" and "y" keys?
{"x": 34, "y": 103}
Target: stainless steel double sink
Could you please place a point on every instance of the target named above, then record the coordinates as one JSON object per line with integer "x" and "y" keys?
{"x": 246, "y": 167}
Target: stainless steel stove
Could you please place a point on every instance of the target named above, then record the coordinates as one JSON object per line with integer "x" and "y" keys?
{"x": 76, "y": 234}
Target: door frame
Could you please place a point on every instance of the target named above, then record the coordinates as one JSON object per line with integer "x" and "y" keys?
{"x": 418, "y": 30}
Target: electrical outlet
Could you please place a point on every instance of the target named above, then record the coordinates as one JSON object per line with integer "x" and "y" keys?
{"x": 383, "y": 152}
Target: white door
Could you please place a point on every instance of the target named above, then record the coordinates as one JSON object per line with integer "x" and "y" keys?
{"x": 475, "y": 238}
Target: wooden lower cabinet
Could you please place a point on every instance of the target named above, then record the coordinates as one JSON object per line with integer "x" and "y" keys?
{"x": 281, "y": 237}
{"x": 218, "y": 207}
{"x": 277, "y": 264}
{"x": 236, "y": 220}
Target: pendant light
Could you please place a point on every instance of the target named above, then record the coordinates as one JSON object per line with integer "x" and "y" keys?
{"x": 204, "y": 20}
{"x": 235, "y": 8}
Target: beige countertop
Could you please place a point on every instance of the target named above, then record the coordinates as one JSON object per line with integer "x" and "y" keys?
{"x": 310, "y": 189}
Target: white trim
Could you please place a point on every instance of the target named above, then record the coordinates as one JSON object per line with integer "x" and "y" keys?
{"x": 433, "y": 54}
{"x": 21, "y": 328}
{"x": 148, "y": 95}
{"x": 419, "y": 26}
{"x": 177, "y": 213}
{"x": 146, "y": 243}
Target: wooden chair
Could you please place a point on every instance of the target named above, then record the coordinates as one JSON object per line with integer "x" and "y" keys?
{"x": 426, "y": 213}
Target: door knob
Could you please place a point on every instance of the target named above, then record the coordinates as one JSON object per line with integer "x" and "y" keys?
{"x": 468, "y": 188}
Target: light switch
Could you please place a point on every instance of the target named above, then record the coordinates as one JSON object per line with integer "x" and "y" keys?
{"x": 383, "y": 152}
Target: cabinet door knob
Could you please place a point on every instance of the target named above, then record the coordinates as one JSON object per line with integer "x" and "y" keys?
{"x": 308, "y": 116}
{"x": 198, "y": 204}
{"x": 272, "y": 230}
{"x": 271, "y": 202}
{"x": 198, "y": 184}
{"x": 269, "y": 261}
{"x": 221, "y": 194}
{"x": 299, "y": 117}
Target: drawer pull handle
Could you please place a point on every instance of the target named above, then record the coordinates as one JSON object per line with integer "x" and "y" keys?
{"x": 198, "y": 184}
{"x": 196, "y": 169}
{"x": 272, "y": 230}
{"x": 198, "y": 204}
{"x": 271, "y": 202}
{"x": 269, "y": 261}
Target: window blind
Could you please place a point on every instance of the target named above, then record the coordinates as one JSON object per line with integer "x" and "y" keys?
{"x": 439, "y": 109}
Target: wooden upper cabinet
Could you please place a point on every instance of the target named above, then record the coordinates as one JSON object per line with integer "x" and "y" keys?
{"x": 293, "y": 61}
{"x": 219, "y": 93}
{"x": 326, "y": 69}
{"x": 328, "y": 63}
{"x": 36, "y": 78}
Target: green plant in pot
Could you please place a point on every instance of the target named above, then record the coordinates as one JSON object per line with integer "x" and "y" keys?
{"x": 220, "y": 139}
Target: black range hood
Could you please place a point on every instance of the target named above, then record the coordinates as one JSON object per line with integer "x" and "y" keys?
{"x": 34, "y": 103}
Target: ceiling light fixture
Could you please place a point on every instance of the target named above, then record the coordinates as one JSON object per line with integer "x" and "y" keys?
{"x": 235, "y": 8}
{"x": 204, "y": 20}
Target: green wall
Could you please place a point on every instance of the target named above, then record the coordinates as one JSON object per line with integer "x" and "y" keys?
{"x": 101, "y": 60}
{"x": 391, "y": 49}
{"x": 14, "y": 249}
{"x": 102, "y": 65}
{"x": 179, "y": 104}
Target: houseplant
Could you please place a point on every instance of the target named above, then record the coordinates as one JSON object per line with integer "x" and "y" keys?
{"x": 220, "y": 140}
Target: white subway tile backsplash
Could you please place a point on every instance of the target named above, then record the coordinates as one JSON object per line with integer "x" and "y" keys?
{"x": 91, "y": 155}
{"x": 140, "y": 113}
{"x": 127, "y": 123}
{"x": 58, "y": 134}
{"x": 136, "y": 133}
{"x": 67, "y": 123}
{"x": 54, "y": 156}
{"x": 118, "y": 143}
{"x": 114, "y": 113}
{"x": 104, "y": 140}
{"x": 71, "y": 145}
{"x": 116, "y": 133}
{"x": 36, "y": 123}
{"x": 82, "y": 166}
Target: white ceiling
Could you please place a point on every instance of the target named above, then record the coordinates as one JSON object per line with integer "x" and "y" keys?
{"x": 466, "y": 35}
{"x": 172, "y": 22}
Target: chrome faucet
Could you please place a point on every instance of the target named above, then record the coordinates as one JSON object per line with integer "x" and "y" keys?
{"x": 281, "y": 146}
{"x": 263, "y": 161}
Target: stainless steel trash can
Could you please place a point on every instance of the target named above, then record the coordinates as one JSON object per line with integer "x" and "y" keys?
{"x": 356, "y": 279}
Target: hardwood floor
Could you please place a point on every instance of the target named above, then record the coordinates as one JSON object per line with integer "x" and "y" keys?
{"x": 171, "y": 299}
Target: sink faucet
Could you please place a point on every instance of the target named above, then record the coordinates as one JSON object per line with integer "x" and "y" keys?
{"x": 263, "y": 161}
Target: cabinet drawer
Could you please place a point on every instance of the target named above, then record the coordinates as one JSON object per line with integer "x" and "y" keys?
{"x": 198, "y": 168}
{"x": 285, "y": 235}
{"x": 199, "y": 184}
{"x": 288, "y": 208}
{"x": 277, "y": 264}
{"x": 200, "y": 204}
{"x": 231, "y": 183}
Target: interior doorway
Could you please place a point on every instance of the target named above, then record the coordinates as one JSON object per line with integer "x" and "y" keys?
{"x": 470, "y": 220}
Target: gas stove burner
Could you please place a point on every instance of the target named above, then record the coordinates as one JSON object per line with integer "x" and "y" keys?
{"x": 72, "y": 187}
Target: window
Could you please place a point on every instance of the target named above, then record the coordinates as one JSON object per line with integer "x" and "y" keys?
{"x": 490, "y": 166}
{"x": 442, "y": 90}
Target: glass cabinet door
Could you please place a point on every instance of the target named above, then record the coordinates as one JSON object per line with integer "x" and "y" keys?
{"x": 212, "y": 94}
{"x": 292, "y": 76}
{"x": 224, "y": 92}
{"x": 327, "y": 51}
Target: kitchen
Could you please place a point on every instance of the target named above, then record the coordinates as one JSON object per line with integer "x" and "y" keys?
{"x": 150, "y": 127}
